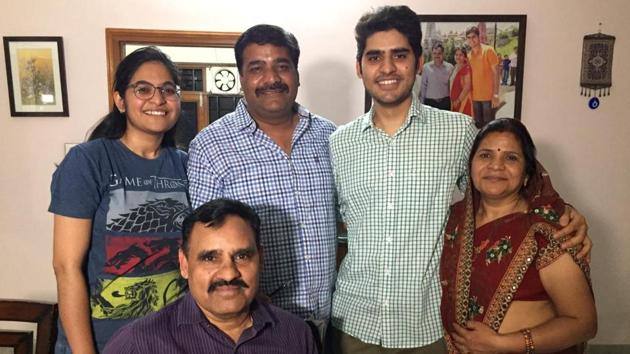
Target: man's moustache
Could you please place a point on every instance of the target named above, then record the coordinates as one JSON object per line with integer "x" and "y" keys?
{"x": 233, "y": 282}
{"x": 276, "y": 86}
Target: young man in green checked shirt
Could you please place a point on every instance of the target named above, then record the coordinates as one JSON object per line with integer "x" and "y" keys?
{"x": 396, "y": 168}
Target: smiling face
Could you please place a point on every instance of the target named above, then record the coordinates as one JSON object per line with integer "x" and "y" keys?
{"x": 498, "y": 166}
{"x": 473, "y": 40}
{"x": 460, "y": 57}
{"x": 156, "y": 115}
{"x": 222, "y": 268}
{"x": 269, "y": 80}
{"x": 388, "y": 68}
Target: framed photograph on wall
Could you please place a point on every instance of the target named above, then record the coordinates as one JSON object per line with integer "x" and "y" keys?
{"x": 503, "y": 35}
{"x": 36, "y": 76}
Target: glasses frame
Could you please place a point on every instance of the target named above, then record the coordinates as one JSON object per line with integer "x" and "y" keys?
{"x": 175, "y": 97}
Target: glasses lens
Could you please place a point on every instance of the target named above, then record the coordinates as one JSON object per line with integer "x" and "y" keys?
{"x": 144, "y": 91}
{"x": 170, "y": 91}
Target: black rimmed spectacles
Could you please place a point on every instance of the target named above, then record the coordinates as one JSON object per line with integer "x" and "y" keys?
{"x": 145, "y": 91}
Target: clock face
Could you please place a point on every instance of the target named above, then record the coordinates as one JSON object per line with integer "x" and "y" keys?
{"x": 224, "y": 80}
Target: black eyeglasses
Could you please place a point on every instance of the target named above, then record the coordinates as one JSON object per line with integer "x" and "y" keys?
{"x": 145, "y": 91}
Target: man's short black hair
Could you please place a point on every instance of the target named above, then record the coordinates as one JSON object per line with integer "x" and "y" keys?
{"x": 472, "y": 29}
{"x": 267, "y": 34}
{"x": 400, "y": 18}
{"x": 438, "y": 45}
{"x": 214, "y": 213}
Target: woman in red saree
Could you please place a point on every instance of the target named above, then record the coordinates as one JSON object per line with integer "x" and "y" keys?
{"x": 461, "y": 83}
{"x": 507, "y": 284}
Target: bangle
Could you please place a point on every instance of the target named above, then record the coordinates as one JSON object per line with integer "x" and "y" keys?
{"x": 529, "y": 341}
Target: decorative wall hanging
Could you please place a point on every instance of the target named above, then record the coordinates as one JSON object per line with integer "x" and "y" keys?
{"x": 596, "y": 74}
{"x": 36, "y": 76}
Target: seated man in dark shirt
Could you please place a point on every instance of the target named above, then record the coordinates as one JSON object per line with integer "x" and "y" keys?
{"x": 220, "y": 256}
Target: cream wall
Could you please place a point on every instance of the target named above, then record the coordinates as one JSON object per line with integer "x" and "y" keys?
{"x": 585, "y": 151}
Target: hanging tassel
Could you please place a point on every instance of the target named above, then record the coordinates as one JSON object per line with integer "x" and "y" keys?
{"x": 581, "y": 91}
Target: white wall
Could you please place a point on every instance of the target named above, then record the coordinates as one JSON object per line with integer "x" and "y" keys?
{"x": 585, "y": 151}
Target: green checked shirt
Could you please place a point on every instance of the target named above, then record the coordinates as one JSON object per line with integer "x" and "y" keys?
{"x": 394, "y": 195}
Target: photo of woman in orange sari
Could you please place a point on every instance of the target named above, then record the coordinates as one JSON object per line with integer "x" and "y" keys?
{"x": 508, "y": 286}
{"x": 461, "y": 83}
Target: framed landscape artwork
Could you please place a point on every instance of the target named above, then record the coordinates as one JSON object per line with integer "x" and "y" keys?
{"x": 36, "y": 76}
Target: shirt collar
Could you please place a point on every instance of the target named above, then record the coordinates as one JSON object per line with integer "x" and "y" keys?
{"x": 416, "y": 112}
{"x": 190, "y": 313}
{"x": 261, "y": 315}
{"x": 244, "y": 120}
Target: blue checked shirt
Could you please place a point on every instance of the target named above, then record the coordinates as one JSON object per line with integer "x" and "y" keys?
{"x": 292, "y": 194}
{"x": 394, "y": 195}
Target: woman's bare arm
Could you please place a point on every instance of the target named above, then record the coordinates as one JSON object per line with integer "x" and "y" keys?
{"x": 576, "y": 321}
{"x": 70, "y": 247}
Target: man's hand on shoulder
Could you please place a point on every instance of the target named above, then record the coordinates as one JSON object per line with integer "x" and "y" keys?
{"x": 575, "y": 229}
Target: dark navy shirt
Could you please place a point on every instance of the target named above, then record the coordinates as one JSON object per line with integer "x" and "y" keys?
{"x": 182, "y": 328}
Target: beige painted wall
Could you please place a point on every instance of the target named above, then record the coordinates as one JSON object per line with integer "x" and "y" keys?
{"x": 585, "y": 151}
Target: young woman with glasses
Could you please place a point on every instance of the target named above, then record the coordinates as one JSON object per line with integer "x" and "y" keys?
{"x": 118, "y": 202}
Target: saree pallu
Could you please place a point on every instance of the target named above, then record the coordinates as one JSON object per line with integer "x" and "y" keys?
{"x": 457, "y": 86}
{"x": 484, "y": 269}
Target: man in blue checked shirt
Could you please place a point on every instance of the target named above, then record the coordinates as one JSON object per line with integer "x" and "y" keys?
{"x": 272, "y": 154}
{"x": 395, "y": 169}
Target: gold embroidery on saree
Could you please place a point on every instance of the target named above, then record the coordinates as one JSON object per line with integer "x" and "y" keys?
{"x": 510, "y": 281}
{"x": 462, "y": 280}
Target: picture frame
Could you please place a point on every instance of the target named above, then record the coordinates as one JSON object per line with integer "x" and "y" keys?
{"x": 502, "y": 32}
{"x": 36, "y": 76}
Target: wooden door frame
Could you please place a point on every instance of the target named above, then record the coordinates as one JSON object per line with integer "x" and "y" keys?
{"x": 116, "y": 38}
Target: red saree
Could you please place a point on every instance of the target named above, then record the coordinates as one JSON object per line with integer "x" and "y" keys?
{"x": 457, "y": 85}
{"x": 484, "y": 269}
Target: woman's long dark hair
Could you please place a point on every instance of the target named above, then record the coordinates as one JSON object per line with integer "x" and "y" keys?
{"x": 114, "y": 124}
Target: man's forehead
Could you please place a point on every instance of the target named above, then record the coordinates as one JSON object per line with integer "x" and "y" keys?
{"x": 234, "y": 233}
{"x": 256, "y": 51}
{"x": 387, "y": 41}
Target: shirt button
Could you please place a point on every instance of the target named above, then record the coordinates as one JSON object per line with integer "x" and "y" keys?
{"x": 307, "y": 257}
{"x": 388, "y": 239}
{"x": 385, "y": 302}
{"x": 390, "y": 206}
{"x": 390, "y": 173}
{"x": 386, "y": 272}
